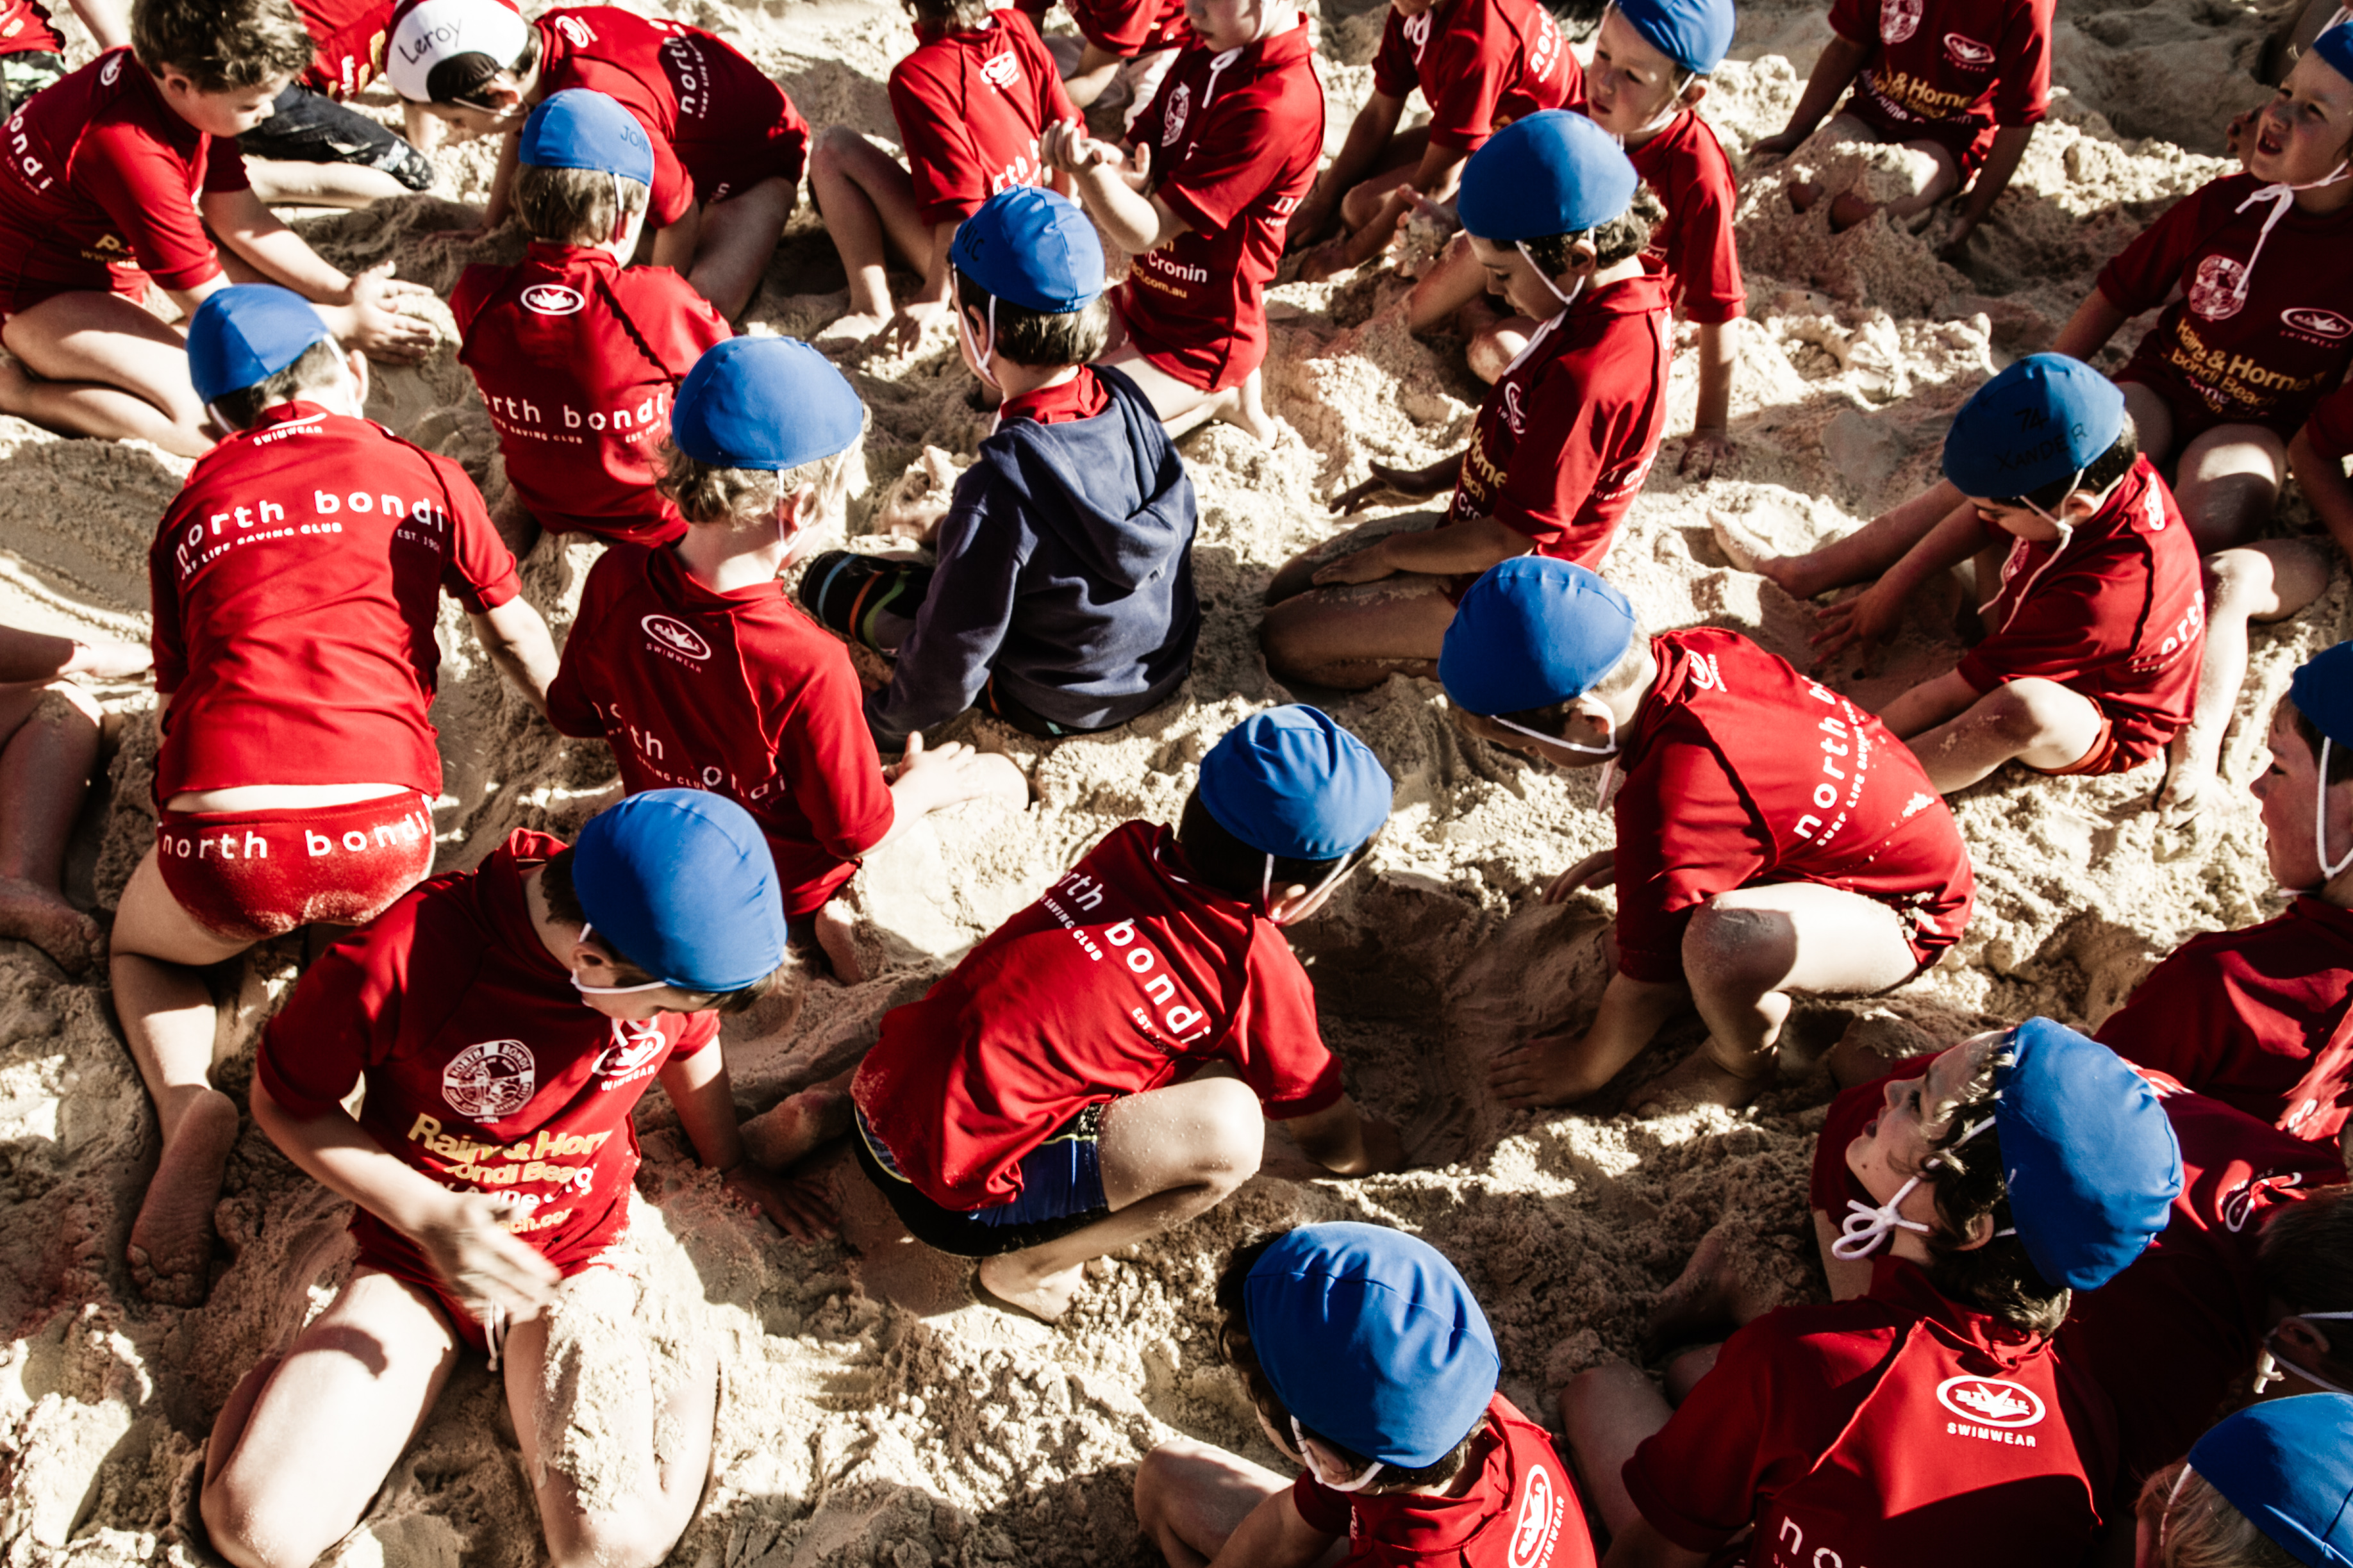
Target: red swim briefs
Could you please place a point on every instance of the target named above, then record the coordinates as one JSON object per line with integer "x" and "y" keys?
{"x": 253, "y": 875}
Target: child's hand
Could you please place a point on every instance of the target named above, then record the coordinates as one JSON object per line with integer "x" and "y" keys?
{"x": 1367, "y": 565}
{"x": 913, "y": 320}
{"x": 801, "y": 1207}
{"x": 1387, "y": 487}
{"x": 1772, "y": 148}
{"x": 1701, "y": 452}
{"x": 485, "y": 1267}
{"x": 376, "y": 322}
{"x": 109, "y": 660}
{"x": 1596, "y": 871}
{"x": 1861, "y": 622}
{"x": 1314, "y": 217}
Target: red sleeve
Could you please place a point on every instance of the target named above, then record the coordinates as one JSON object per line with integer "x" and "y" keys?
{"x": 700, "y": 1029}
{"x": 1856, "y": 21}
{"x": 225, "y": 166}
{"x": 473, "y": 291}
{"x": 1702, "y": 253}
{"x": 673, "y": 192}
{"x": 1229, "y": 166}
{"x": 1558, "y": 456}
{"x": 1276, "y": 1041}
{"x": 1118, "y": 27}
{"x": 1320, "y": 1508}
{"x": 2021, "y": 95}
{"x": 827, "y": 754}
{"x": 2146, "y": 271}
{"x": 1463, "y": 114}
{"x": 950, "y": 183}
{"x": 1685, "y": 834}
{"x": 2330, "y": 428}
{"x": 165, "y": 637}
{"x": 2063, "y": 629}
{"x": 2179, "y": 1020}
{"x": 1395, "y": 74}
{"x": 341, "y": 1019}
{"x": 481, "y": 572}
{"x": 141, "y": 187}
{"x": 1695, "y": 1479}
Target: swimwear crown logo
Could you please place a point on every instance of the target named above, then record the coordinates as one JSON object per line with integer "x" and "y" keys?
{"x": 1990, "y": 1401}
{"x": 551, "y": 300}
{"x": 1003, "y": 72}
{"x": 1537, "y": 1527}
{"x": 2321, "y": 323}
{"x": 1968, "y": 51}
{"x": 676, "y": 636}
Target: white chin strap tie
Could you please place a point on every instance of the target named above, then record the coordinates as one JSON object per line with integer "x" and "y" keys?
{"x": 1861, "y": 1231}
{"x": 1546, "y": 277}
{"x": 2328, "y": 868}
{"x": 2282, "y": 196}
{"x": 1266, "y": 888}
{"x": 983, "y": 355}
{"x": 608, "y": 990}
{"x": 1357, "y": 1484}
{"x": 2268, "y": 1364}
{"x": 1609, "y": 769}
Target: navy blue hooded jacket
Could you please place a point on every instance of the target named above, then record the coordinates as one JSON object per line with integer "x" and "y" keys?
{"x": 1065, "y": 571}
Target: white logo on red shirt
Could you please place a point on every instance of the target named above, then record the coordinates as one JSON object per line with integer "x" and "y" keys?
{"x": 1899, "y": 19}
{"x": 2218, "y": 288}
{"x": 1172, "y": 120}
{"x": 676, "y": 636}
{"x": 551, "y": 300}
{"x": 1967, "y": 52}
{"x": 1538, "y": 1529}
{"x": 2239, "y": 1205}
{"x": 1417, "y": 33}
{"x": 1993, "y": 1401}
{"x": 1515, "y": 414}
{"x": 489, "y": 1080}
{"x": 1003, "y": 72}
{"x": 634, "y": 1045}
{"x": 574, "y": 31}
{"x": 2318, "y": 322}
{"x": 108, "y": 72}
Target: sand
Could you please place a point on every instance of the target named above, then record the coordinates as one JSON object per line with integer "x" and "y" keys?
{"x": 870, "y": 1413}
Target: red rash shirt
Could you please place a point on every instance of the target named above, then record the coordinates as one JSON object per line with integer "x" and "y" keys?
{"x": 495, "y": 1078}
{"x": 350, "y": 35}
{"x": 98, "y": 180}
{"x": 295, "y": 606}
{"x": 969, "y": 107}
{"x": 1949, "y": 70}
{"x": 738, "y": 693}
{"x": 1080, "y": 397}
{"x": 1235, "y": 140}
{"x": 1692, "y": 248}
{"x": 1742, "y": 771}
{"x": 2191, "y": 1304}
{"x": 1125, "y": 977}
{"x": 1480, "y": 65}
{"x": 1897, "y": 1428}
{"x": 576, "y": 358}
{"x": 1568, "y": 434}
{"x": 24, "y": 30}
{"x": 718, "y": 124}
{"x": 2256, "y": 1019}
{"x": 1124, "y": 28}
{"x": 1518, "y": 1510}
{"x": 2118, "y": 616}
{"x": 2266, "y": 356}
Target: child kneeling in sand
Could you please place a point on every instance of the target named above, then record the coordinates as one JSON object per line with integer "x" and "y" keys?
{"x": 1562, "y": 443}
{"x": 1101, "y": 1067}
{"x": 1063, "y": 602}
{"x": 1771, "y": 836}
{"x": 2090, "y": 661}
{"x": 693, "y": 664}
{"x": 575, "y": 352}
{"x": 1368, "y": 1364}
{"x": 505, "y": 1023}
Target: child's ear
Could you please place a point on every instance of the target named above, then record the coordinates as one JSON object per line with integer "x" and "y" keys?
{"x": 1692, "y": 94}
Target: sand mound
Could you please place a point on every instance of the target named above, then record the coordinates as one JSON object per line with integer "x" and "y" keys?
{"x": 871, "y": 1414}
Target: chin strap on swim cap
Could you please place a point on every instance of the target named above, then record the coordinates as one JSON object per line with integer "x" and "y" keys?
{"x": 1299, "y": 1436}
{"x": 1609, "y": 769}
{"x": 2268, "y": 1363}
{"x": 1545, "y": 279}
{"x": 984, "y": 354}
{"x": 2328, "y": 868}
{"x": 1861, "y": 1231}
{"x": 608, "y": 990}
{"x": 2282, "y": 196}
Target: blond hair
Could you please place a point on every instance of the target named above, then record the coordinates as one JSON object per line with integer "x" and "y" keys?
{"x": 747, "y": 498}
{"x": 575, "y": 206}
{"x": 2197, "y": 1527}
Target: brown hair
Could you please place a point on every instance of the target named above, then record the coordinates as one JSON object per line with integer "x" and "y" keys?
{"x": 2340, "y": 758}
{"x": 314, "y": 366}
{"x": 2200, "y": 1528}
{"x": 2305, "y": 1260}
{"x": 935, "y": 17}
{"x": 460, "y": 77}
{"x": 221, "y": 45}
{"x": 1626, "y": 235}
{"x": 1042, "y": 340}
{"x": 563, "y": 905}
{"x": 1966, "y": 1176}
{"x": 575, "y": 206}
{"x": 746, "y": 497}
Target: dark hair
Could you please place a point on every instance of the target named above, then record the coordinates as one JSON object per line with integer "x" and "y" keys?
{"x": 935, "y": 17}
{"x": 574, "y": 206}
{"x": 314, "y": 366}
{"x": 1233, "y": 1340}
{"x": 563, "y": 905}
{"x": 1969, "y": 1182}
{"x": 460, "y": 77}
{"x": 2305, "y": 1259}
{"x": 1628, "y": 234}
{"x": 1552, "y": 720}
{"x": 2340, "y": 758}
{"x": 221, "y": 45}
{"x": 2098, "y": 474}
{"x": 1042, "y": 340}
{"x": 1226, "y": 863}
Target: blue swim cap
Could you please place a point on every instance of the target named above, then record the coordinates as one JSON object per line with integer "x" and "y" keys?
{"x": 685, "y": 886}
{"x": 1290, "y": 782}
{"x": 2334, "y": 44}
{"x": 764, "y": 402}
{"x": 2041, "y": 421}
{"x": 1553, "y": 173}
{"x": 1530, "y": 632}
{"x": 2089, "y": 1156}
{"x": 249, "y": 333}
{"x": 1371, "y": 1338}
{"x": 2322, "y": 690}
{"x": 1033, "y": 247}
{"x": 578, "y": 129}
{"x": 2287, "y": 1465}
{"x": 1695, "y": 34}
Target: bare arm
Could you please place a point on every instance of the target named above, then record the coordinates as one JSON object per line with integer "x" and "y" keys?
{"x": 104, "y": 21}
{"x": 674, "y": 246}
{"x": 1461, "y": 548}
{"x": 2088, "y": 331}
{"x": 1093, "y": 73}
{"x": 1273, "y": 1536}
{"x": 1110, "y": 186}
{"x": 517, "y": 641}
{"x": 1871, "y": 615}
{"x": 364, "y": 311}
{"x": 1368, "y": 134}
{"x": 494, "y": 211}
{"x": 698, "y": 1091}
{"x": 1840, "y": 61}
{"x": 2001, "y": 163}
{"x": 1719, "y": 351}
{"x": 37, "y": 656}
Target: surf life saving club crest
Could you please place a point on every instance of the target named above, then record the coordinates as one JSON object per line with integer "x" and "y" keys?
{"x": 489, "y": 1080}
{"x": 1899, "y": 19}
{"x": 1172, "y": 120}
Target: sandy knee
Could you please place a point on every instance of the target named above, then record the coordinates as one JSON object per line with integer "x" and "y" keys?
{"x": 836, "y": 144}
{"x": 1732, "y": 945}
{"x": 1599, "y": 1390}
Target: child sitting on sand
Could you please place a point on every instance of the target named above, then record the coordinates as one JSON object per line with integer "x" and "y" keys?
{"x": 1964, "y": 82}
{"x": 2090, "y": 660}
{"x": 1562, "y": 444}
{"x": 505, "y": 1023}
{"x": 1102, "y": 1066}
{"x": 970, "y": 103}
{"x": 1201, "y": 197}
{"x": 125, "y": 172}
{"x": 1063, "y": 602}
{"x": 33, "y": 52}
{"x": 1368, "y": 1364}
{"x": 728, "y": 146}
{"x": 1479, "y": 65}
{"x": 1935, "y": 1421}
{"x": 693, "y": 663}
{"x": 576, "y": 353}
{"x": 297, "y": 581}
{"x": 316, "y": 149}
{"x": 2270, "y": 1487}
{"x": 1771, "y": 836}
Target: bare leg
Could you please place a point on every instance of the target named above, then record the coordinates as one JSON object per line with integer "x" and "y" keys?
{"x": 1852, "y": 207}
{"x": 2035, "y": 721}
{"x": 1858, "y": 557}
{"x": 99, "y": 366}
{"x": 1359, "y": 636}
{"x": 2227, "y": 482}
{"x": 1167, "y": 1156}
{"x": 1606, "y": 1412}
{"x": 1456, "y": 281}
{"x": 2265, "y": 582}
{"x": 167, "y": 1014}
{"x": 1183, "y": 407}
{"x": 1715, "y": 1291}
{"x": 738, "y": 238}
{"x": 867, "y": 199}
{"x": 283, "y": 183}
{"x": 48, "y": 746}
{"x": 304, "y": 1443}
{"x": 786, "y": 1133}
{"x": 1191, "y": 1496}
{"x": 1746, "y": 951}
{"x": 1685, "y": 1371}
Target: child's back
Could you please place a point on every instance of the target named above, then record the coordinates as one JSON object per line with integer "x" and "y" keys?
{"x": 969, "y": 103}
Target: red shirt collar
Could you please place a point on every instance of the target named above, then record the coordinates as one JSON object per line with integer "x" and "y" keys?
{"x": 1080, "y": 397}
{"x": 1904, "y": 1285}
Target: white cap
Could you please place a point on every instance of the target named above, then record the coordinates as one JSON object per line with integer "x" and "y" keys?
{"x": 437, "y": 30}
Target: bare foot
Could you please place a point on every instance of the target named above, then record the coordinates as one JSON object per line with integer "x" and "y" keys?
{"x": 1547, "y": 1069}
{"x": 781, "y": 1135}
{"x": 1043, "y": 1297}
{"x": 920, "y": 500}
{"x": 171, "y": 1246}
{"x": 1701, "y": 1080}
{"x": 836, "y": 934}
{"x": 845, "y": 334}
{"x": 1749, "y": 553}
{"x": 2189, "y": 787}
{"x": 1699, "y": 1300}
{"x": 30, "y": 912}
